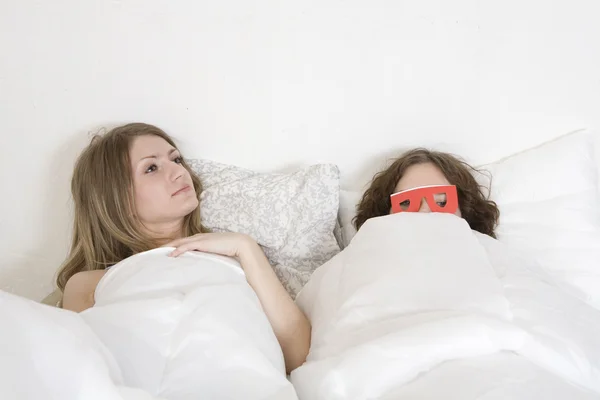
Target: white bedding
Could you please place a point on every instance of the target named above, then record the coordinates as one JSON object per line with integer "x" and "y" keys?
{"x": 175, "y": 328}
{"x": 420, "y": 306}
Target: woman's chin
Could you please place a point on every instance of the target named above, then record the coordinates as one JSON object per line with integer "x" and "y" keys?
{"x": 191, "y": 207}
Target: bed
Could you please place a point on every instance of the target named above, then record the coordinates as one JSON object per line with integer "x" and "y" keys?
{"x": 323, "y": 94}
{"x": 476, "y": 318}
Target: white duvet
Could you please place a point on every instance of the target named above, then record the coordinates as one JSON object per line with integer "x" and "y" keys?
{"x": 175, "y": 328}
{"x": 418, "y": 306}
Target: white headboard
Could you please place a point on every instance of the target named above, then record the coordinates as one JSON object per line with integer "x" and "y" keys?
{"x": 274, "y": 84}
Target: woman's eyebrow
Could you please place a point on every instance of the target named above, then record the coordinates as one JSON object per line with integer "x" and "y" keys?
{"x": 155, "y": 156}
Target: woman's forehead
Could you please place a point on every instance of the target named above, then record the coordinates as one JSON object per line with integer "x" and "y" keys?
{"x": 421, "y": 175}
{"x": 148, "y": 145}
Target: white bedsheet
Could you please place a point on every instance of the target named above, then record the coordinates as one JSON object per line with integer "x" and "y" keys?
{"x": 174, "y": 328}
{"x": 418, "y": 305}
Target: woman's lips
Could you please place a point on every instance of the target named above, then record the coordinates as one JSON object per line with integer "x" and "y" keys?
{"x": 182, "y": 190}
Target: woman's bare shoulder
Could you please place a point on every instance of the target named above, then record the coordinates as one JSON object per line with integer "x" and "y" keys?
{"x": 79, "y": 290}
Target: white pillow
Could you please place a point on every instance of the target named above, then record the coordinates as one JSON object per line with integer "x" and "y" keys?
{"x": 555, "y": 184}
{"x": 549, "y": 200}
{"x": 292, "y": 216}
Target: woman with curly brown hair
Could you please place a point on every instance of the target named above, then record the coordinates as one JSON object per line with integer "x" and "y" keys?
{"x": 422, "y": 180}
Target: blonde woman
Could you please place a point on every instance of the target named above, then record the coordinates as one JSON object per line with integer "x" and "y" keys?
{"x": 134, "y": 192}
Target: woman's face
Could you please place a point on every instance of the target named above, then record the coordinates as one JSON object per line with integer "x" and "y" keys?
{"x": 162, "y": 188}
{"x": 425, "y": 174}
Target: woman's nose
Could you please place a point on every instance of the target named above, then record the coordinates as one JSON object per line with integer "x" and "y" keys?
{"x": 175, "y": 171}
{"x": 424, "y": 208}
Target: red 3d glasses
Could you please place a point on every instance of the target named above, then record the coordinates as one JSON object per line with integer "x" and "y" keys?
{"x": 440, "y": 198}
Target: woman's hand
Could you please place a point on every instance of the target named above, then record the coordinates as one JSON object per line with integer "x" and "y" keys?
{"x": 226, "y": 244}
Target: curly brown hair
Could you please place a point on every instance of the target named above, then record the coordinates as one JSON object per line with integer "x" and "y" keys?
{"x": 479, "y": 211}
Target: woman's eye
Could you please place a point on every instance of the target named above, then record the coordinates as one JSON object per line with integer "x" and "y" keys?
{"x": 151, "y": 168}
{"x": 178, "y": 160}
{"x": 405, "y": 204}
{"x": 440, "y": 199}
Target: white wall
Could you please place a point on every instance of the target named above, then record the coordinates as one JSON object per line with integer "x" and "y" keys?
{"x": 272, "y": 84}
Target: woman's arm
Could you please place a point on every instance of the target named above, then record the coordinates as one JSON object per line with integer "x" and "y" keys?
{"x": 290, "y": 325}
{"x": 79, "y": 290}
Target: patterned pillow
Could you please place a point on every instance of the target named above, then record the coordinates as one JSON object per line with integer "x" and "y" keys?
{"x": 292, "y": 215}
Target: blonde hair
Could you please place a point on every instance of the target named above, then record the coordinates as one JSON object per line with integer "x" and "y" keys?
{"x": 105, "y": 229}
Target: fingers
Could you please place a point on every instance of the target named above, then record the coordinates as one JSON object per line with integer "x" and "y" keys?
{"x": 183, "y": 248}
{"x": 196, "y": 242}
{"x": 217, "y": 243}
